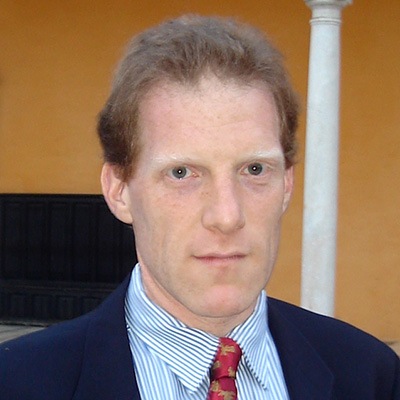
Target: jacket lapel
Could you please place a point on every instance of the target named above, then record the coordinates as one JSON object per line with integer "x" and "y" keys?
{"x": 107, "y": 366}
{"x": 306, "y": 375}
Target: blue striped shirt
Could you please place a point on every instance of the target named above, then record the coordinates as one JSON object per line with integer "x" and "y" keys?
{"x": 172, "y": 361}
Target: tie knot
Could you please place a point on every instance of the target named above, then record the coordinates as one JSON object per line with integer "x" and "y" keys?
{"x": 227, "y": 359}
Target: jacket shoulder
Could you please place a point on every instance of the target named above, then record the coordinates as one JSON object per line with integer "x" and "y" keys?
{"x": 324, "y": 331}
{"x": 354, "y": 357}
{"x": 44, "y": 361}
{"x": 76, "y": 359}
{"x": 327, "y": 332}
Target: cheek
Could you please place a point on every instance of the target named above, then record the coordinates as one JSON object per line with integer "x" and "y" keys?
{"x": 265, "y": 226}
{"x": 265, "y": 211}
{"x": 159, "y": 229}
{"x": 144, "y": 226}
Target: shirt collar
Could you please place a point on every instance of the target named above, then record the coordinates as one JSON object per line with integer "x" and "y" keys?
{"x": 255, "y": 340}
{"x": 189, "y": 352}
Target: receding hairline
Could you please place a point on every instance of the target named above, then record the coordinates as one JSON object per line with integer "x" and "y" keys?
{"x": 180, "y": 50}
{"x": 177, "y": 87}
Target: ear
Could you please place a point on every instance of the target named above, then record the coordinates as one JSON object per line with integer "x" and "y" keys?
{"x": 289, "y": 182}
{"x": 115, "y": 192}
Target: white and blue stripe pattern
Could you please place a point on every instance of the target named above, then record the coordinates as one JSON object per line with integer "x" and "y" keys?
{"x": 172, "y": 361}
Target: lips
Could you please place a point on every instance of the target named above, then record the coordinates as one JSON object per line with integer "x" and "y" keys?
{"x": 220, "y": 258}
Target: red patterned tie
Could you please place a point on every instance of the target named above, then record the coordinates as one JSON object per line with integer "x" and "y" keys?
{"x": 223, "y": 371}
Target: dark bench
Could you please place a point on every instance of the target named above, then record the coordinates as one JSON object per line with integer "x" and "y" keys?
{"x": 60, "y": 255}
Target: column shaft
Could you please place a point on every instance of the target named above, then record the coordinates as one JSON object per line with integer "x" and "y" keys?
{"x": 321, "y": 158}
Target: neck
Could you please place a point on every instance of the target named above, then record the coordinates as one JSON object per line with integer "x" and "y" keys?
{"x": 217, "y": 325}
{"x": 210, "y": 318}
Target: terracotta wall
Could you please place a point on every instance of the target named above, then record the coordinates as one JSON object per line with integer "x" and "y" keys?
{"x": 56, "y": 60}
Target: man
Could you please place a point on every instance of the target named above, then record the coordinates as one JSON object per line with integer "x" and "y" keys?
{"x": 199, "y": 143}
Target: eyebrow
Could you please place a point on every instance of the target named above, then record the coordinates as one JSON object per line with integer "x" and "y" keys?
{"x": 171, "y": 158}
{"x": 275, "y": 155}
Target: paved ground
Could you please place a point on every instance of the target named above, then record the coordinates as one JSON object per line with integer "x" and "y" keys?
{"x": 8, "y": 332}
{"x": 396, "y": 347}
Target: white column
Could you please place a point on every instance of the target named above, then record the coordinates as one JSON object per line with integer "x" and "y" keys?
{"x": 321, "y": 158}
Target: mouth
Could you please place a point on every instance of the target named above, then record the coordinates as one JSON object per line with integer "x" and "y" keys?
{"x": 220, "y": 258}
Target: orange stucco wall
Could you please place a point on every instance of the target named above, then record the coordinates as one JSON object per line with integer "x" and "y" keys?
{"x": 56, "y": 60}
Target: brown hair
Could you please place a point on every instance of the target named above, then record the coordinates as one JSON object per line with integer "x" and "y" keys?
{"x": 182, "y": 50}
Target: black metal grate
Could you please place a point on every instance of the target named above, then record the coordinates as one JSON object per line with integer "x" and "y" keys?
{"x": 60, "y": 255}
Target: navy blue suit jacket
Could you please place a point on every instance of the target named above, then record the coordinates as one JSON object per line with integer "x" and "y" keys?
{"x": 89, "y": 358}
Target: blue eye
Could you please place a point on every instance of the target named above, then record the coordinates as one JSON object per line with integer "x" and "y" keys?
{"x": 255, "y": 169}
{"x": 180, "y": 172}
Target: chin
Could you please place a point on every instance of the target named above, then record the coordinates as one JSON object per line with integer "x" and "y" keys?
{"x": 228, "y": 305}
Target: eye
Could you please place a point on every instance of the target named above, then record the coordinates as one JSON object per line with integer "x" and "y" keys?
{"x": 255, "y": 169}
{"x": 179, "y": 172}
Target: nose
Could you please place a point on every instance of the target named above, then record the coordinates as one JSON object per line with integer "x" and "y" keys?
{"x": 223, "y": 210}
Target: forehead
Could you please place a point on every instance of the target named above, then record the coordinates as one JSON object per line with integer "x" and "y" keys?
{"x": 210, "y": 113}
{"x": 164, "y": 96}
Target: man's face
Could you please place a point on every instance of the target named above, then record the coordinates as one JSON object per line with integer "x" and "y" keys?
{"x": 207, "y": 197}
